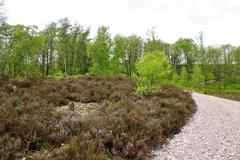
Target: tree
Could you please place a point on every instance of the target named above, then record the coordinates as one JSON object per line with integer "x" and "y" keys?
{"x": 236, "y": 55}
{"x": 153, "y": 70}
{"x": 197, "y": 76}
{"x": 50, "y": 36}
{"x": 215, "y": 59}
{"x": 119, "y": 54}
{"x": 65, "y": 48}
{"x": 6, "y": 37}
{"x": 227, "y": 60}
{"x": 82, "y": 52}
{"x": 63, "y": 44}
{"x": 22, "y": 59}
{"x": 36, "y": 65}
{"x": 133, "y": 53}
{"x": 100, "y": 52}
{"x": 156, "y": 45}
{"x": 186, "y": 50}
{"x": 175, "y": 78}
{"x": 184, "y": 78}
{"x": 201, "y": 57}
{"x": 78, "y": 48}
{"x": 153, "y": 44}
{"x": 2, "y": 13}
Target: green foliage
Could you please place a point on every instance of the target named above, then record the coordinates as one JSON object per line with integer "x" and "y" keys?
{"x": 155, "y": 45}
{"x": 100, "y": 50}
{"x": 64, "y": 45}
{"x": 185, "y": 77}
{"x": 49, "y": 35}
{"x": 133, "y": 53}
{"x": 175, "y": 78}
{"x": 58, "y": 74}
{"x": 236, "y": 55}
{"x": 119, "y": 54}
{"x": 197, "y": 76}
{"x": 185, "y": 52}
{"x": 66, "y": 48}
{"x": 152, "y": 71}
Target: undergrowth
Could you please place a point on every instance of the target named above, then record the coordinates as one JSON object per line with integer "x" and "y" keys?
{"x": 127, "y": 126}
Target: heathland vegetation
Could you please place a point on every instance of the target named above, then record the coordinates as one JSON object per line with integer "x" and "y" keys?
{"x": 64, "y": 95}
{"x": 65, "y": 49}
{"x": 87, "y": 118}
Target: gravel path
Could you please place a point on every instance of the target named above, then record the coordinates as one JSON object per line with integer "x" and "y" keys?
{"x": 212, "y": 134}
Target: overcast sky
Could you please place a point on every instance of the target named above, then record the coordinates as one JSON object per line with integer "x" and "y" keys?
{"x": 218, "y": 19}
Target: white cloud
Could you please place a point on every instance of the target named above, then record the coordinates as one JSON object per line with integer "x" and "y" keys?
{"x": 218, "y": 19}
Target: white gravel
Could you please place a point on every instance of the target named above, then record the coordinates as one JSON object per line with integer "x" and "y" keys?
{"x": 212, "y": 134}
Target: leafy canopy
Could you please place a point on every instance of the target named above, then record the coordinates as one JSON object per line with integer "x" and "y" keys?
{"x": 153, "y": 70}
{"x": 100, "y": 52}
{"x": 185, "y": 77}
{"x": 197, "y": 76}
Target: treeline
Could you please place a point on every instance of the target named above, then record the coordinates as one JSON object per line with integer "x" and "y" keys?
{"x": 63, "y": 48}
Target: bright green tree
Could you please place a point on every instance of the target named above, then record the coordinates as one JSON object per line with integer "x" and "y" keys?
{"x": 175, "y": 78}
{"x": 184, "y": 78}
{"x": 153, "y": 70}
{"x": 100, "y": 52}
{"x": 24, "y": 51}
{"x": 119, "y": 53}
{"x": 197, "y": 76}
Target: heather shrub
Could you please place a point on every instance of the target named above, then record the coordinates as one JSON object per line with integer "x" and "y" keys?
{"x": 1, "y": 82}
{"x": 10, "y": 146}
{"x": 124, "y": 126}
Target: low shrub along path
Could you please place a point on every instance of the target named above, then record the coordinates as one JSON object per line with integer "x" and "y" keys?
{"x": 213, "y": 132}
{"x": 87, "y": 118}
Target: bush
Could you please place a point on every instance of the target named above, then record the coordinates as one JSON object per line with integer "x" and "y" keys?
{"x": 123, "y": 126}
{"x": 153, "y": 70}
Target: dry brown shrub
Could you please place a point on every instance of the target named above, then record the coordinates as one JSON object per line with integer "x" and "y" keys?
{"x": 126, "y": 126}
